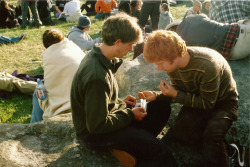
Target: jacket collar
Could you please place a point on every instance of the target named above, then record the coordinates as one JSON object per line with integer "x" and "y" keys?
{"x": 113, "y": 64}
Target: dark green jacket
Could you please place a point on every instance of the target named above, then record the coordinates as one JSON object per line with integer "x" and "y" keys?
{"x": 96, "y": 108}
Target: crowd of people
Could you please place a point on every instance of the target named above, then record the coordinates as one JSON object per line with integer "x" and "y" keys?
{"x": 201, "y": 78}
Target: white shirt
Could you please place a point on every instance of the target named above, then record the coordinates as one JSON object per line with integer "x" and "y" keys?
{"x": 72, "y": 7}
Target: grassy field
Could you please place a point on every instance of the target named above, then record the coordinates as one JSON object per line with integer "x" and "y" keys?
{"x": 25, "y": 57}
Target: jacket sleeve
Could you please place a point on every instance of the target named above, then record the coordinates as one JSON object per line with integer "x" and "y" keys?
{"x": 99, "y": 118}
{"x": 97, "y": 5}
{"x": 86, "y": 44}
{"x": 113, "y": 3}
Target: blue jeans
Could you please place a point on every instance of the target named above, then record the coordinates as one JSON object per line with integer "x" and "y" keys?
{"x": 5, "y": 40}
{"x": 37, "y": 112}
{"x": 102, "y": 15}
{"x": 139, "y": 139}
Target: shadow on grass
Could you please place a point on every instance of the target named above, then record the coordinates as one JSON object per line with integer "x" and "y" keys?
{"x": 16, "y": 109}
{"x": 38, "y": 71}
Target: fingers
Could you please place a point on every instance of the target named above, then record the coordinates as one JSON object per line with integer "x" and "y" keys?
{"x": 141, "y": 95}
{"x": 139, "y": 113}
{"x": 128, "y": 102}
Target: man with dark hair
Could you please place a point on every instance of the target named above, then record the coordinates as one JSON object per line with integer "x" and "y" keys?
{"x": 104, "y": 121}
{"x": 80, "y": 36}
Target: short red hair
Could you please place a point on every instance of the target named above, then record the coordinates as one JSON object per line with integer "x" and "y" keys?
{"x": 164, "y": 45}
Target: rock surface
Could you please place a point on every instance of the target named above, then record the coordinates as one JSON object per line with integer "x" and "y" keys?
{"x": 48, "y": 143}
{"x": 53, "y": 142}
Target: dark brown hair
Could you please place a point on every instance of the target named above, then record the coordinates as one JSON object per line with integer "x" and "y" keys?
{"x": 121, "y": 26}
{"x": 52, "y": 36}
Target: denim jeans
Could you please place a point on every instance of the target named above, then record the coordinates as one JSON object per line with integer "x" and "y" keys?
{"x": 208, "y": 129}
{"x": 25, "y": 8}
{"x": 139, "y": 139}
{"x": 37, "y": 112}
{"x": 5, "y": 40}
{"x": 102, "y": 15}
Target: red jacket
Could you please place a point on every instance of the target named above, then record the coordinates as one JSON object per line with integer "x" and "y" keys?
{"x": 104, "y": 5}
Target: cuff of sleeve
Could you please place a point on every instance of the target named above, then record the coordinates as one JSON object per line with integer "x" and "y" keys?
{"x": 162, "y": 97}
{"x": 179, "y": 98}
{"x": 131, "y": 114}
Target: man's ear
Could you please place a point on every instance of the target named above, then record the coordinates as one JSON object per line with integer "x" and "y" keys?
{"x": 117, "y": 42}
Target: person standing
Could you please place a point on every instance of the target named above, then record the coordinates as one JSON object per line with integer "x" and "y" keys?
{"x": 152, "y": 9}
{"x": 32, "y": 4}
{"x": 104, "y": 121}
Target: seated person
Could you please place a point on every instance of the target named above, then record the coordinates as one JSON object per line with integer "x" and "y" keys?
{"x": 165, "y": 16}
{"x": 60, "y": 7}
{"x": 124, "y": 5}
{"x": 7, "y": 16}
{"x": 229, "y": 11}
{"x": 66, "y": 57}
{"x": 72, "y": 11}
{"x": 205, "y": 7}
{"x": 194, "y": 10}
{"x": 80, "y": 36}
{"x": 6, "y": 40}
{"x": 104, "y": 121}
{"x": 231, "y": 40}
{"x": 90, "y": 10}
{"x": 43, "y": 8}
{"x": 103, "y": 8}
{"x": 136, "y": 8}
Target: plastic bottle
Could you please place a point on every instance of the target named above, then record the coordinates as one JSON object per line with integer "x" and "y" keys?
{"x": 41, "y": 91}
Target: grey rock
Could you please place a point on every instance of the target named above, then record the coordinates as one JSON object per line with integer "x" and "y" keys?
{"x": 48, "y": 143}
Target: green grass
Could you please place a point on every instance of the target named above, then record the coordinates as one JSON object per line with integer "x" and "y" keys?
{"x": 25, "y": 57}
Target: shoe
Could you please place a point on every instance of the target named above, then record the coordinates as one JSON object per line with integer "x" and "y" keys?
{"x": 236, "y": 157}
{"x": 123, "y": 157}
{"x": 22, "y": 36}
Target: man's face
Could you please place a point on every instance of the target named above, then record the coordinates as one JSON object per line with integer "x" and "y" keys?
{"x": 167, "y": 66}
{"x": 123, "y": 48}
{"x": 198, "y": 7}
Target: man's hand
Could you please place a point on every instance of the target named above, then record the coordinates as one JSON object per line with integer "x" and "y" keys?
{"x": 148, "y": 95}
{"x": 167, "y": 89}
{"x": 139, "y": 113}
{"x": 130, "y": 101}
